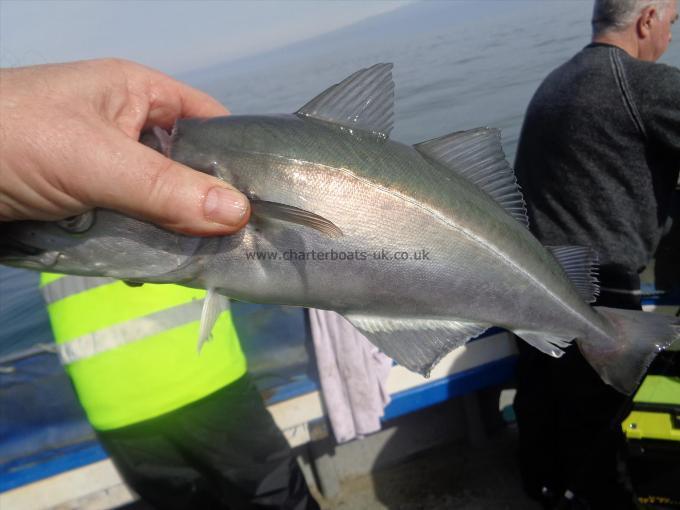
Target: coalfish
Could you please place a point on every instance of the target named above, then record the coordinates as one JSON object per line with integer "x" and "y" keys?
{"x": 420, "y": 247}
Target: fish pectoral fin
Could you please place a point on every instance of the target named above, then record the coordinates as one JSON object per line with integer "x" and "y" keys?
{"x": 283, "y": 212}
{"x": 364, "y": 100}
{"x": 213, "y": 305}
{"x": 417, "y": 344}
{"x": 580, "y": 263}
{"x": 477, "y": 155}
{"x": 548, "y": 343}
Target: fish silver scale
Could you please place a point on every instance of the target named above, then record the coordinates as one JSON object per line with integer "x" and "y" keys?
{"x": 359, "y": 184}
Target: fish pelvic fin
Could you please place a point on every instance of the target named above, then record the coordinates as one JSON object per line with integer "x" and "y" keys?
{"x": 364, "y": 100}
{"x": 623, "y": 360}
{"x": 417, "y": 344}
{"x": 581, "y": 266}
{"x": 213, "y": 305}
{"x": 478, "y": 156}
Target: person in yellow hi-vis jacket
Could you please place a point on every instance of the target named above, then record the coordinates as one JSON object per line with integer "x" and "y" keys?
{"x": 185, "y": 429}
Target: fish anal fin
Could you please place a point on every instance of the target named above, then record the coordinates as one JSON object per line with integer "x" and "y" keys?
{"x": 550, "y": 344}
{"x": 477, "y": 155}
{"x": 417, "y": 344}
{"x": 364, "y": 100}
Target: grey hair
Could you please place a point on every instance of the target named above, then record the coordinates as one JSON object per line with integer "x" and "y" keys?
{"x": 617, "y": 15}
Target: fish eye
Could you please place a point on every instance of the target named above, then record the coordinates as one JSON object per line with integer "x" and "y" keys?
{"x": 77, "y": 224}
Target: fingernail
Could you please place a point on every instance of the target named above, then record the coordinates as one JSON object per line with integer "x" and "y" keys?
{"x": 225, "y": 206}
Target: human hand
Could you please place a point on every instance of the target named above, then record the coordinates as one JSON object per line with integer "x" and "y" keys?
{"x": 69, "y": 142}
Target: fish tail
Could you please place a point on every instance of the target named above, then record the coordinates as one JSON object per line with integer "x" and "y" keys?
{"x": 623, "y": 360}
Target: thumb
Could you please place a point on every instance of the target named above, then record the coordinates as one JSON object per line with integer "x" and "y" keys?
{"x": 152, "y": 187}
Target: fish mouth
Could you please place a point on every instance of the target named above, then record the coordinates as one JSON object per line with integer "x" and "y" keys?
{"x": 14, "y": 252}
{"x": 38, "y": 260}
{"x": 15, "y": 249}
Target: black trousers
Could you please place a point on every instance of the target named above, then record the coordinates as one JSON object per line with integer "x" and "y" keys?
{"x": 569, "y": 423}
{"x": 222, "y": 452}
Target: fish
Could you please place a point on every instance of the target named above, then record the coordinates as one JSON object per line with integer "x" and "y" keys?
{"x": 422, "y": 248}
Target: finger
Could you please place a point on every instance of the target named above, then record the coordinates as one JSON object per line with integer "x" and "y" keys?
{"x": 196, "y": 103}
{"x": 149, "y": 186}
{"x": 171, "y": 99}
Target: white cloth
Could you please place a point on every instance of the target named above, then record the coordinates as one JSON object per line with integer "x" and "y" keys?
{"x": 353, "y": 375}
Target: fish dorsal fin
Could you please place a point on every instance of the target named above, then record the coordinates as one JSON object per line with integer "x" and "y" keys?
{"x": 581, "y": 266}
{"x": 364, "y": 100}
{"x": 478, "y": 156}
{"x": 213, "y": 305}
{"x": 417, "y": 344}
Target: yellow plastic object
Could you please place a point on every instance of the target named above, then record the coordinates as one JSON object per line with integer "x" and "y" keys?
{"x": 656, "y": 405}
{"x": 646, "y": 425}
{"x": 659, "y": 389}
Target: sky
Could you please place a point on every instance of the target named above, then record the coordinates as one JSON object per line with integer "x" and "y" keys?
{"x": 174, "y": 36}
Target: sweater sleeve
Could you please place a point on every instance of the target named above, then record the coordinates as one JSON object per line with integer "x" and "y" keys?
{"x": 661, "y": 107}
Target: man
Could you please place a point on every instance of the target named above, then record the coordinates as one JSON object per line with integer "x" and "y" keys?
{"x": 187, "y": 430}
{"x": 598, "y": 159}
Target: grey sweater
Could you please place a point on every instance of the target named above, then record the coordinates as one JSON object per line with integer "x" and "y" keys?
{"x": 599, "y": 155}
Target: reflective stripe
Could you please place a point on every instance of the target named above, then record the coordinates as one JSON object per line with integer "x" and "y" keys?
{"x": 71, "y": 285}
{"x": 126, "y": 332}
{"x": 612, "y": 290}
